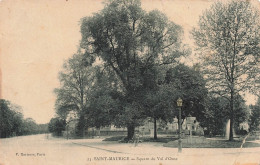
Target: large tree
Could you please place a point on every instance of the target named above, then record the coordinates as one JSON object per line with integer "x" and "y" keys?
{"x": 76, "y": 80}
{"x": 11, "y": 119}
{"x": 131, "y": 42}
{"x": 228, "y": 38}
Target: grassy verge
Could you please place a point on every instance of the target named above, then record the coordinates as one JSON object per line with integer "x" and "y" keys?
{"x": 165, "y": 139}
{"x": 160, "y": 139}
{"x": 208, "y": 143}
{"x": 114, "y": 138}
{"x": 201, "y": 142}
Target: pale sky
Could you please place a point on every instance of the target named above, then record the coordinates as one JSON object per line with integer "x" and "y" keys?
{"x": 36, "y": 36}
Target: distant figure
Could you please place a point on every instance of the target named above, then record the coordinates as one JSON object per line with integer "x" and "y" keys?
{"x": 136, "y": 138}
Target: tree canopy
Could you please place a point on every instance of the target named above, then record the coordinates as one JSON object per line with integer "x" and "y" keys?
{"x": 76, "y": 80}
{"x": 12, "y": 122}
{"x": 133, "y": 43}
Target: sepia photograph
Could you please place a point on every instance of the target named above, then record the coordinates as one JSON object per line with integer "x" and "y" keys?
{"x": 130, "y": 82}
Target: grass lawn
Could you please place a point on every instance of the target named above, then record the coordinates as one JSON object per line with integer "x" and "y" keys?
{"x": 164, "y": 139}
{"x": 114, "y": 138}
{"x": 213, "y": 144}
{"x": 203, "y": 142}
{"x": 198, "y": 142}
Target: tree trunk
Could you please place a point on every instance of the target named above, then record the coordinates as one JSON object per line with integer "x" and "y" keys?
{"x": 130, "y": 131}
{"x": 83, "y": 131}
{"x": 155, "y": 129}
{"x": 231, "y": 115}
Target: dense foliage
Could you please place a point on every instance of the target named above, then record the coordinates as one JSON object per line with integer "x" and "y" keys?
{"x": 128, "y": 69}
{"x": 76, "y": 80}
{"x": 12, "y": 122}
{"x": 132, "y": 44}
{"x": 179, "y": 81}
{"x": 217, "y": 115}
{"x": 56, "y": 126}
{"x": 254, "y": 120}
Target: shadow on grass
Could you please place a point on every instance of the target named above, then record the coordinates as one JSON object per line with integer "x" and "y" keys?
{"x": 122, "y": 139}
{"x": 114, "y": 138}
{"x": 160, "y": 139}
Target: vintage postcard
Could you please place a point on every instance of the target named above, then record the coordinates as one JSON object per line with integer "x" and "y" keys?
{"x": 93, "y": 82}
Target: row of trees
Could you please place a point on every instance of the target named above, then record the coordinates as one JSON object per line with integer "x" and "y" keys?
{"x": 12, "y": 122}
{"x": 127, "y": 67}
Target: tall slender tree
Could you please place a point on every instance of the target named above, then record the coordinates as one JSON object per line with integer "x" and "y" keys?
{"x": 76, "y": 80}
{"x": 228, "y": 38}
